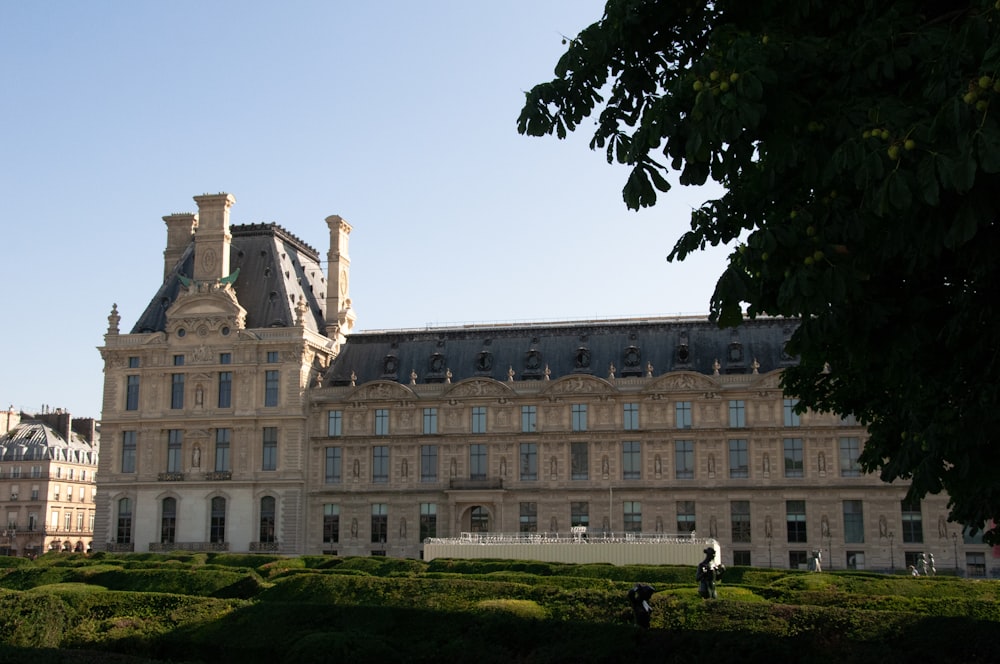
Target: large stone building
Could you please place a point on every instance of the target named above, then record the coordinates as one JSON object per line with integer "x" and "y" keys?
{"x": 243, "y": 413}
{"x": 48, "y": 463}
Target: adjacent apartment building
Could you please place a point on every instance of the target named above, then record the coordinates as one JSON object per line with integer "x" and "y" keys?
{"x": 48, "y": 463}
{"x": 242, "y": 412}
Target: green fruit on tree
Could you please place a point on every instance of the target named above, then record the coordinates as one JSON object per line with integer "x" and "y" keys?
{"x": 734, "y": 77}
{"x": 893, "y": 152}
{"x": 698, "y": 85}
{"x": 714, "y": 76}
{"x": 885, "y": 134}
{"x": 818, "y": 255}
{"x": 808, "y": 260}
{"x": 985, "y": 82}
{"x": 982, "y": 105}
{"x": 910, "y": 144}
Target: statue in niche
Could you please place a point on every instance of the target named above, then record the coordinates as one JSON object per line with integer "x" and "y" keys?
{"x": 768, "y": 526}
{"x": 503, "y": 466}
{"x": 356, "y": 470}
{"x": 659, "y": 524}
{"x": 883, "y": 527}
{"x": 405, "y": 469}
{"x": 657, "y": 465}
{"x": 711, "y": 464}
{"x": 554, "y": 525}
{"x": 713, "y": 527}
{"x": 454, "y": 468}
{"x": 605, "y": 466}
{"x": 822, "y": 462}
{"x": 199, "y": 396}
{"x": 942, "y": 528}
{"x": 402, "y": 528}
{"x": 196, "y": 456}
{"x": 552, "y": 466}
{"x": 354, "y": 528}
{"x": 767, "y": 462}
{"x": 824, "y": 526}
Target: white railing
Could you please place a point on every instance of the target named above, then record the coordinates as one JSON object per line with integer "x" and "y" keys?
{"x": 575, "y": 536}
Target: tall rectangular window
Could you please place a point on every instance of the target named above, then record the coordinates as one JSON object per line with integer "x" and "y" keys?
{"x": 632, "y": 516}
{"x": 128, "y": 451}
{"x": 579, "y": 514}
{"x": 529, "y": 461}
{"x": 579, "y": 411}
{"x": 332, "y": 463}
{"x": 428, "y": 463}
{"x": 682, "y": 411}
{"x": 737, "y": 414}
{"x": 331, "y": 523}
{"x": 123, "y": 530}
{"x": 791, "y": 417}
{"x": 335, "y": 423}
{"x": 529, "y": 419}
{"x": 685, "y": 516}
{"x": 381, "y": 421}
{"x": 739, "y": 459}
{"x": 176, "y": 391}
{"x": 272, "y": 357}
{"x": 380, "y": 523}
{"x": 528, "y": 518}
{"x": 630, "y": 416}
{"x": 168, "y": 520}
{"x": 132, "y": 392}
{"x": 795, "y": 518}
{"x": 850, "y": 450}
{"x": 217, "y": 522}
{"x": 477, "y": 462}
{"x": 684, "y": 459}
{"x": 222, "y": 438}
{"x": 913, "y": 524}
{"x": 631, "y": 460}
{"x": 854, "y": 522}
{"x": 794, "y": 458}
{"x": 579, "y": 463}
{"x": 380, "y": 464}
{"x": 175, "y": 440}
{"x": 479, "y": 419}
{"x": 269, "y": 457}
{"x": 430, "y": 421}
{"x": 271, "y": 388}
{"x": 739, "y": 513}
{"x": 428, "y": 520}
{"x": 225, "y": 389}
{"x": 268, "y": 519}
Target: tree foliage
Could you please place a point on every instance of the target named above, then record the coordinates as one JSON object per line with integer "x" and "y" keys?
{"x": 858, "y": 146}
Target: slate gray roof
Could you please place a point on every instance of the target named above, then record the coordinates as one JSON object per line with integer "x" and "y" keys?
{"x": 36, "y": 441}
{"x": 276, "y": 269}
{"x": 589, "y": 347}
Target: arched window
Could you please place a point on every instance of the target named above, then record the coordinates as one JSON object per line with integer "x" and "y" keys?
{"x": 168, "y": 520}
{"x": 217, "y": 527}
{"x": 267, "y": 519}
{"x": 124, "y": 531}
{"x": 479, "y": 520}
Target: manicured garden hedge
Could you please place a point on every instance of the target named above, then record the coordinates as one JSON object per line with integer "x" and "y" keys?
{"x": 183, "y": 607}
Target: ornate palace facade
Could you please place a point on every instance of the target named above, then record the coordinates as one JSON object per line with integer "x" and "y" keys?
{"x": 243, "y": 413}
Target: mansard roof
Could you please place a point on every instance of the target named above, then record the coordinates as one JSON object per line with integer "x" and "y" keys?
{"x": 532, "y": 351}
{"x": 36, "y": 441}
{"x": 276, "y": 269}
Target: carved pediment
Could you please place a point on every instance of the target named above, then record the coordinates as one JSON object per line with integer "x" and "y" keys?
{"x": 579, "y": 384}
{"x": 682, "y": 381}
{"x": 217, "y": 309}
{"x": 769, "y": 381}
{"x": 381, "y": 390}
{"x": 479, "y": 387}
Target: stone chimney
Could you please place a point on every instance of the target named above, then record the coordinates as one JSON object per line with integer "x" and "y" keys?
{"x": 339, "y": 314}
{"x": 180, "y": 228}
{"x": 212, "y": 238}
{"x": 86, "y": 427}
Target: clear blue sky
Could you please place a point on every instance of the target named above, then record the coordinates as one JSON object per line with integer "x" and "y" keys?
{"x": 399, "y": 116}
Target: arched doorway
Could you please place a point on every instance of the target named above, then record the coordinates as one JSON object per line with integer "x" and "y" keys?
{"x": 476, "y": 519}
